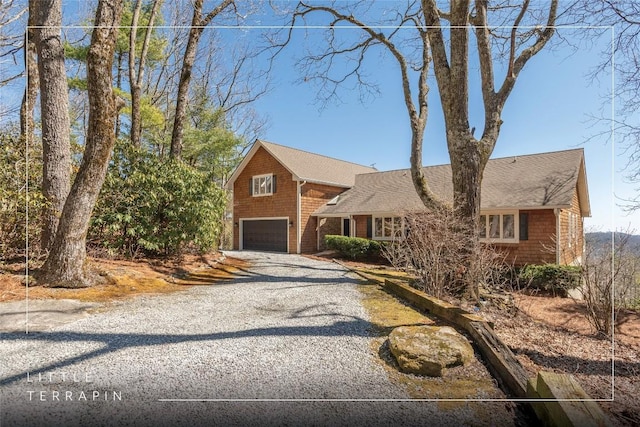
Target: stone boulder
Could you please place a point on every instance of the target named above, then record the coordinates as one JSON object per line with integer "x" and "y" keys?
{"x": 429, "y": 350}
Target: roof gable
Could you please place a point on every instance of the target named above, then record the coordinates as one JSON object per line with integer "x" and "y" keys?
{"x": 305, "y": 166}
{"x": 520, "y": 182}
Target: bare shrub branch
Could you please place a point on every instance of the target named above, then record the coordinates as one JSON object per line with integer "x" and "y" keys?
{"x": 610, "y": 273}
{"x": 433, "y": 245}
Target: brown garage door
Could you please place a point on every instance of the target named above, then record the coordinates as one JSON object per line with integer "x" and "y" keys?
{"x": 265, "y": 235}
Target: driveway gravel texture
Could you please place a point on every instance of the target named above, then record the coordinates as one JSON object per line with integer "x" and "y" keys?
{"x": 287, "y": 342}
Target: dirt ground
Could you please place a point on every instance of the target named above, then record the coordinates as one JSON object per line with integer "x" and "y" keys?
{"x": 125, "y": 278}
{"x": 550, "y": 334}
{"x": 553, "y": 334}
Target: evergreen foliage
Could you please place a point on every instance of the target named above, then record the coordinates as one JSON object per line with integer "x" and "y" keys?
{"x": 553, "y": 278}
{"x": 210, "y": 145}
{"x": 354, "y": 247}
{"x": 156, "y": 206}
{"x": 21, "y": 199}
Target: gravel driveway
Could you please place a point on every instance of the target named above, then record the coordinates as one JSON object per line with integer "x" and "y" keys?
{"x": 285, "y": 343}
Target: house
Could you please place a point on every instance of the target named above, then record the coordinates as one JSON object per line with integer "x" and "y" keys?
{"x": 287, "y": 200}
{"x": 276, "y": 190}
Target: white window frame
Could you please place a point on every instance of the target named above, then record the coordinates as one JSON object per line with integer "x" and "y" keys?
{"x": 258, "y": 179}
{"x": 573, "y": 228}
{"x": 392, "y": 218}
{"x": 501, "y": 214}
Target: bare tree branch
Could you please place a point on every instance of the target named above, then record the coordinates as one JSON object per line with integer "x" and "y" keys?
{"x": 197, "y": 26}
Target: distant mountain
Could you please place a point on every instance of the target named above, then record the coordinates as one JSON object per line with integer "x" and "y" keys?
{"x": 601, "y": 240}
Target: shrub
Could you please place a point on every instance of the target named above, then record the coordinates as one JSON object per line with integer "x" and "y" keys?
{"x": 441, "y": 250}
{"x": 556, "y": 279}
{"x": 633, "y": 304}
{"x": 354, "y": 247}
{"x": 159, "y": 206}
{"x": 21, "y": 199}
{"x": 610, "y": 274}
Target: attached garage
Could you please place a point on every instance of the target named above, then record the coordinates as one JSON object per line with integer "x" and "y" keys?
{"x": 269, "y": 235}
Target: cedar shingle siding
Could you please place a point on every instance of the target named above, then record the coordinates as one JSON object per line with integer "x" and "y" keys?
{"x": 540, "y": 245}
{"x": 282, "y": 204}
{"x": 313, "y": 197}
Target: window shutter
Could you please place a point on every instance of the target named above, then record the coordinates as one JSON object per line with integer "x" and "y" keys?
{"x": 273, "y": 184}
{"x": 251, "y": 186}
{"x": 369, "y": 227}
{"x": 524, "y": 226}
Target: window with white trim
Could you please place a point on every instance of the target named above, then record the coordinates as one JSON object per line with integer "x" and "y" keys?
{"x": 262, "y": 185}
{"x": 498, "y": 227}
{"x": 386, "y": 227}
{"x": 573, "y": 228}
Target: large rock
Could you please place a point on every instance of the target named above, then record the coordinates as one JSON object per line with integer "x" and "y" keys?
{"x": 429, "y": 350}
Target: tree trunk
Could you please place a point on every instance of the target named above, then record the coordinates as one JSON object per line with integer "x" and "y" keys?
{"x": 30, "y": 96}
{"x": 135, "y": 81}
{"x": 466, "y": 170}
{"x": 197, "y": 26}
{"x": 54, "y": 105}
{"x": 183, "y": 88}
{"x": 466, "y": 173}
{"x": 65, "y": 265}
{"x": 119, "y": 86}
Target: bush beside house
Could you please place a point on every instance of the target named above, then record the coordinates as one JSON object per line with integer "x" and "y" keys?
{"x": 552, "y": 278}
{"x": 354, "y": 247}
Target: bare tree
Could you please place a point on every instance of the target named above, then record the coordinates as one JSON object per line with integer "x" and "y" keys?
{"x": 622, "y": 55}
{"x": 198, "y": 23}
{"x": 234, "y": 88}
{"x": 609, "y": 276}
{"x": 11, "y": 39}
{"x": 421, "y": 36}
{"x": 136, "y": 77}
{"x": 65, "y": 265}
{"x": 431, "y": 249}
{"x": 229, "y": 71}
{"x": 54, "y": 105}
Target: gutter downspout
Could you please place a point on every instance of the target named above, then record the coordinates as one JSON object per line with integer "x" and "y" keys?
{"x": 299, "y": 215}
{"x": 556, "y": 211}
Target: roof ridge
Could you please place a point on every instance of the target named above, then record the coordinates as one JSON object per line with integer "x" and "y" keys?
{"x": 538, "y": 154}
{"x": 262, "y": 141}
{"x": 491, "y": 159}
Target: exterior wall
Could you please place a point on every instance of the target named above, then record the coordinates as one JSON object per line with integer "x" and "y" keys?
{"x": 540, "y": 246}
{"x": 361, "y": 225}
{"x": 571, "y": 250}
{"x": 542, "y": 234}
{"x": 281, "y": 204}
{"x": 328, "y": 226}
{"x": 312, "y": 197}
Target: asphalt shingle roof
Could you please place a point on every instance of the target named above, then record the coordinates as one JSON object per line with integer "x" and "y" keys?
{"x": 315, "y": 167}
{"x": 530, "y": 181}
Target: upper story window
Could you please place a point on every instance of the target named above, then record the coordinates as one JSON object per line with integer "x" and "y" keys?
{"x": 263, "y": 185}
{"x": 385, "y": 228}
{"x": 499, "y": 227}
